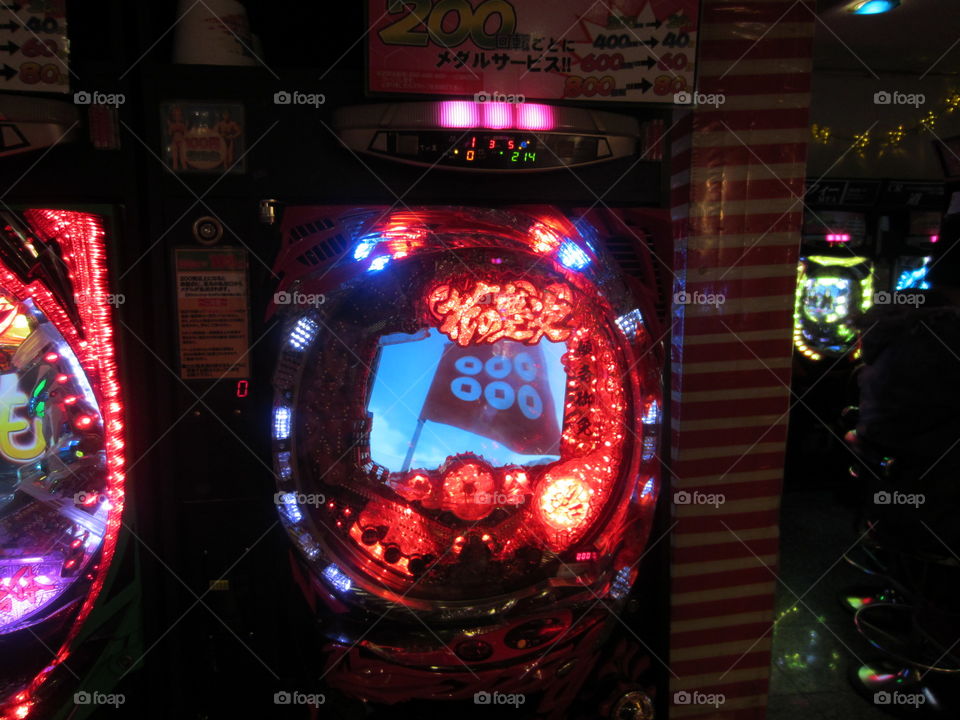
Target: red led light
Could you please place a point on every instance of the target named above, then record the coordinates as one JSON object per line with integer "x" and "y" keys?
{"x": 63, "y": 379}
{"x": 70, "y": 399}
{"x": 474, "y": 312}
{"x": 243, "y": 388}
{"x": 468, "y": 491}
{"x": 84, "y": 421}
{"x": 80, "y": 237}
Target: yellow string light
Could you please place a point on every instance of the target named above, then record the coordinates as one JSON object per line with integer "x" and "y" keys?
{"x": 892, "y": 138}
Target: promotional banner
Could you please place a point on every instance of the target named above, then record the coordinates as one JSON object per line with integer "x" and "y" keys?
{"x": 623, "y": 50}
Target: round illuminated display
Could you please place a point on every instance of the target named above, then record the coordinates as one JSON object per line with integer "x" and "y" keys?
{"x": 468, "y": 406}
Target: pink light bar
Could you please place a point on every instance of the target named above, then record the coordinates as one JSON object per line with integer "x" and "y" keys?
{"x": 934, "y": 238}
{"x": 838, "y": 237}
{"x": 496, "y": 116}
{"x": 535, "y": 117}
{"x": 458, "y": 114}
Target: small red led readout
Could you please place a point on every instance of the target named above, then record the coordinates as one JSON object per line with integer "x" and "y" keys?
{"x": 473, "y": 312}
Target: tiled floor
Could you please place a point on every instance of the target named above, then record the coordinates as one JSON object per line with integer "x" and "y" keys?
{"x": 815, "y": 643}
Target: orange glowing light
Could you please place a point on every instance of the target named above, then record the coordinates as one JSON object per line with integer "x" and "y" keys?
{"x": 481, "y": 312}
{"x": 565, "y": 503}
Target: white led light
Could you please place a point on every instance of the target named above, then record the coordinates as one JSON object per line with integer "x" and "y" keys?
{"x": 281, "y": 422}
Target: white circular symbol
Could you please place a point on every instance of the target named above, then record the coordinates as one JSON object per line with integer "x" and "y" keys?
{"x": 498, "y": 367}
{"x": 525, "y": 367}
{"x": 530, "y": 403}
{"x": 499, "y": 395}
{"x": 467, "y": 388}
{"x": 468, "y": 365}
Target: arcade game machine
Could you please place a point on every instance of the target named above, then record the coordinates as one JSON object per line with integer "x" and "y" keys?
{"x": 835, "y": 286}
{"x": 466, "y": 416}
{"x": 68, "y": 597}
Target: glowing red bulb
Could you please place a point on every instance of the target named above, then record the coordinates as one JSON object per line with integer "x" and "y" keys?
{"x": 70, "y": 399}
{"x": 51, "y": 357}
{"x": 565, "y": 503}
{"x": 63, "y": 378}
{"x": 84, "y": 421}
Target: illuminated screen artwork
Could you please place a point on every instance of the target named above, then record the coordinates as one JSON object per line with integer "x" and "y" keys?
{"x": 831, "y": 292}
{"x": 61, "y": 449}
{"x": 480, "y": 422}
{"x": 910, "y": 273}
{"x": 504, "y": 400}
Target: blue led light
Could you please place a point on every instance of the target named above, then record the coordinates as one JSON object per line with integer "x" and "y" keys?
{"x": 652, "y": 414}
{"x": 379, "y": 263}
{"x": 283, "y": 465}
{"x": 621, "y": 584}
{"x": 649, "y": 451}
{"x": 630, "y": 323}
{"x": 303, "y": 333}
{"x": 647, "y": 488}
{"x": 366, "y": 245}
{"x": 281, "y": 422}
{"x": 289, "y": 507}
{"x": 336, "y": 577}
{"x": 915, "y": 279}
{"x": 572, "y": 255}
{"x": 875, "y": 7}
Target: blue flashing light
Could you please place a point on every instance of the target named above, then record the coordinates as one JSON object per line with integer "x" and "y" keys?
{"x": 336, "y": 577}
{"x": 629, "y": 323}
{"x": 290, "y": 508}
{"x": 282, "y": 417}
{"x": 621, "y": 584}
{"x": 875, "y": 7}
{"x": 915, "y": 279}
{"x": 364, "y": 248}
{"x": 303, "y": 333}
{"x": 647, "y": 488}
{"x": 572, "y": 255}
{"x": 649, "y": 451}
{"x": 379, "y": 263}
{"x": 652, "y": 414}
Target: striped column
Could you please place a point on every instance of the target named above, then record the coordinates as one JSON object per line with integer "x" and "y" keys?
{"x": 737, "y": 180}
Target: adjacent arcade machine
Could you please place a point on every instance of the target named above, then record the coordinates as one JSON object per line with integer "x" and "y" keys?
{"x": 61, "y": 450}
{"x": 835, "y": 284}
{"x": 466, "y": 416}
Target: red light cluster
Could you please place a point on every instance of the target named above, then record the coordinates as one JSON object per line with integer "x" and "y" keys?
{"x": 81, "y": 238}
{"x": 475, "y": 311}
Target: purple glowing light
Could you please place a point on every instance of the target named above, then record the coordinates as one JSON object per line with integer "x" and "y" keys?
{"x": 458, "y": 114}
{"x": 535, "y": 117}
{"x": 934, "y": 238}
{"x": 497, "y": 116}
{"x": 838, "y": 237}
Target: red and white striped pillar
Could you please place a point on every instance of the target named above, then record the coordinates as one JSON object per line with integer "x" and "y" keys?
{"x": 737, "y": 183}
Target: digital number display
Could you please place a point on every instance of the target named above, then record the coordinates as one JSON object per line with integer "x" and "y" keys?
{"x": 490, "y": 150}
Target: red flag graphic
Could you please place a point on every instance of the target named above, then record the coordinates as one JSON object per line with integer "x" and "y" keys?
{"x": 499, "y": 390}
